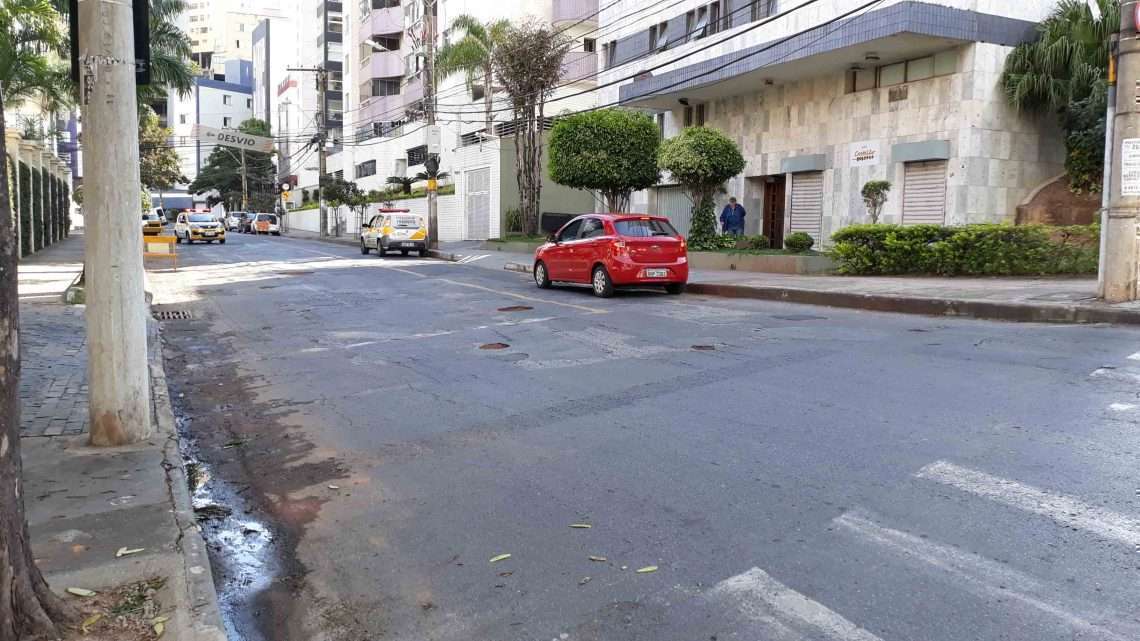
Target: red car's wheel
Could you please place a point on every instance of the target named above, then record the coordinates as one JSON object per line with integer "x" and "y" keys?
{"x": 602, "y": 283}
{"x": 541, "y": 278}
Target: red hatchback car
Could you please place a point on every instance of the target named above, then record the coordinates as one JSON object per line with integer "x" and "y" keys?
{"x": 614, "y": 250}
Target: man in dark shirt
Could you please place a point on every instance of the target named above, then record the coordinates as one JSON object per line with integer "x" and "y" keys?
{"x": 732, "y": 218}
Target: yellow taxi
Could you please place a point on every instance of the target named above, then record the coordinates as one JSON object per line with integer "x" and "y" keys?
{"x": 153, "y": 222}
{"x": 395, "y": 230}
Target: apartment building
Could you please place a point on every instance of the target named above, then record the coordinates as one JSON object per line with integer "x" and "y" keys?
{"x": 824, "y": 96}
{"x": 384, "y": 117}
{"x": 222, "y": 30}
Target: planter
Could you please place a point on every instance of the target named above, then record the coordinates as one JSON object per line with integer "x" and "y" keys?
{"x": 771, "y": 263}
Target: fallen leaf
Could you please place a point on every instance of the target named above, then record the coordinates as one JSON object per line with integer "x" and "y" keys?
{"x": 501, "y": 557}
{"x": 159, "y": 628}
{"x": 647, "y": 569}
{"x": 581, "y": 526}
{"x": 599, "y": 559}
{"x": 90, "y": 621}
{"x": 81, "y": 592}
{"x": 584, "y": 580}
{"x": 126, "y": 551}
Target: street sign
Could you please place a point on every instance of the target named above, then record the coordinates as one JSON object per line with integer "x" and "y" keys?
{"x": 232, "y": 138}
{"x": 434, "y": 139}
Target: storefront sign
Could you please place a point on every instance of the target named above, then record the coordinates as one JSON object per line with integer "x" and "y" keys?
{"x": 865, "y": 153}
{"x": 1130, "y": 167}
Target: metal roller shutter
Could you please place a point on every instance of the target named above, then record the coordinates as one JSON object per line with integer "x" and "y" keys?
{"x": 478, "y": 204}
{"x": 807, "y": 203}
{"x": 674, "y": 204}
{"x": 924, "y": 193}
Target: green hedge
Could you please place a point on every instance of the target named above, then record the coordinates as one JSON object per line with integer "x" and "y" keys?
{"x": 25, "y": 210}
{"x": 971, "y": 250}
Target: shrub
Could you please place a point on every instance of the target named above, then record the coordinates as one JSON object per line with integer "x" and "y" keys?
{"x": 875, "y": 196}
{"x": 798, "y": 242}
{"x": 514, "y": 221}
{"x": 973, "y": 250}
{"x": 759, "y": 241}
{"x": 612, "y": 151}
{"x": 701, "y": 160}
{"x": 713, "y": 243}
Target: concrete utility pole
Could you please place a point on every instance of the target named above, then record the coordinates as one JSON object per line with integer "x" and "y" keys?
{"x": 117, "y": 377}
{"x": 1119, "y": 265}
{"x": 429, "y": 111}
{"x": 1106, "y": 180}
{"x": 322, "y": 153}
{"x": 244, "y": 184}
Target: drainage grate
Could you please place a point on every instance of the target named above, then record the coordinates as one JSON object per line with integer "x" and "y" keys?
{"x": 516, "y": 308}
{"x": 172, "y": 314}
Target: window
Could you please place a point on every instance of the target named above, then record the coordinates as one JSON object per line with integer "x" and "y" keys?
{"x": 661, "y": 124}
{"x": 569, "y": 232}
{"x": 592, "y": 228}
{"x": 182, "y": 119}
{"x": 610, "y": 52}
{"x": 367, "y": 168}
{"x": 860, "y": 79}
{"x": 241, "y": 27}
{"x": 700, "y": 117}
{"x": 227, "y": 121}
{"x": 249, "y": 103}
{"x": 920, "y": 69}
{"x": 695, "y": 115}
{"x": 417, "y": 155}
{"x": 644, "y": 228}
{"x": 227, "y": 99}
{"x": 761, "y": 9}
{"x": 696, "y": 23}
{"x": 658, "y": 36}
{"x": 589, "y": 45}
{"x": 384, "y": 87}
{"x": 714, "y": 19}
{"x": 892, "y": 74}
{"x": 237, "y": 44}
{"x": 688, "y": 119}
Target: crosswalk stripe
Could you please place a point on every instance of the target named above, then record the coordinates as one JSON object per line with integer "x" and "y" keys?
{"x": 779, "y": 609}
{"x": 472, "y": 258}
{"x": 986, "y": 578}
{"x": 1062, "y": 509}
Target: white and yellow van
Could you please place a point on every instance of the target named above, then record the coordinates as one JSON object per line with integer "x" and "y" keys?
{"x": 395, "y": 230}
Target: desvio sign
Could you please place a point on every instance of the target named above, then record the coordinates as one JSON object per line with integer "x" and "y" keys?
{"x": 231, "y": 138}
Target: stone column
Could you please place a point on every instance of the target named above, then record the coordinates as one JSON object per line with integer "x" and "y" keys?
{"x": 48, "y": 190}
{"x": 30, "y": 155}
{"x": 12, "y": 141}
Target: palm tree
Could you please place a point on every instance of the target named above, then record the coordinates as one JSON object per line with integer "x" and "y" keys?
{"x": 472, "y": 55}
{"x": 1064, "y": 72}
{"x": 30, "y": 36}
{"x": 403, "y": 182}
{"x": 170, "y": 65}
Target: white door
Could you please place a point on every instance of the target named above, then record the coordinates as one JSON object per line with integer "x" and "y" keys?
{"x": 924, "y": 193}
{"x": 807, "y": 204}
{"x": 674, "y": 204}
{"x": 478, "y": 205}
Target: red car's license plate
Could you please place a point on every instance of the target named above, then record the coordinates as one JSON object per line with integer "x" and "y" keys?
{"x": 656, "y": 273}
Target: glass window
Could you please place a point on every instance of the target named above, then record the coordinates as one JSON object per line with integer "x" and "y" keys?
{"x": 945, "y": 63}
{"x": 644, "y": 228}
{"x": 589, "y": 45}
{"x": 201, "y": 218}
{"x": 892, "y": 74}
{"x": 570, "y": 232}
{"x": 592, "y": 228}
{"x": 408, "y": 222}
{"x": 919, "y": 69}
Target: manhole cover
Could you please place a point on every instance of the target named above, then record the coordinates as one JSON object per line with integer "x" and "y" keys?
{"x": 516, "y": 308}
{"x": 494, "y": 346}
{"x": 295, "y": 272}
{"x": 172, "y": 314}
{"x": 704, "y": 348}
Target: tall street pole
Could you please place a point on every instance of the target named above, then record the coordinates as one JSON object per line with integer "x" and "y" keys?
{"x": 322, "y": 153}
{"x": 117, "y": 377}
{"x": 1106, "y": 187}
{"x": 244, "y": 184}
{"x": 1124, "y": 198}
{"x": 429, "y": 110}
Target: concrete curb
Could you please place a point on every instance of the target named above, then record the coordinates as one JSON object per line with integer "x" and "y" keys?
{"x": 201, "y": 620}
{"x": 970, "y": 308}
{"x": 967, "y": 308}
{"x": 442, "y": 255}
{"x": 74, "y": 294}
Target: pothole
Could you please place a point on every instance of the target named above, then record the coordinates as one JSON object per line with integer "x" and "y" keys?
{"x": 704, "y": 348}
{"x": 494, "y": 346}
{"x": 516, "y": 308}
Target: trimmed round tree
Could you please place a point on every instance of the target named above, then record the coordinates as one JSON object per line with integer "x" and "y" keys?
{"x": 701, "y": 160}
{"x": 612, "y": 151}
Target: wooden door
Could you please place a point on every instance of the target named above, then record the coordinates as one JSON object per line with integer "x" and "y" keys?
{"x": 773, "y": 215}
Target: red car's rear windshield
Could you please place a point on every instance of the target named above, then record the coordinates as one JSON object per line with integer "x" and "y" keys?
{"x": 644, "y": 227}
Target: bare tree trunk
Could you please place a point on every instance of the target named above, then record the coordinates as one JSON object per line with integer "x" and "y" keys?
{"x": 28, "y": 609}
{"x": 540, "y": 127}
{"x": 488, "y": 78}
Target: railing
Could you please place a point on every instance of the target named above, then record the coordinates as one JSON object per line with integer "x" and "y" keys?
{"x": 575, "y": 10}
{"x": 580, "y": 66}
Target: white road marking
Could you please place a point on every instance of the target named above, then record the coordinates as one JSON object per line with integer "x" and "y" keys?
{"x": 1109, "y": 373}
{"x": 1061, "y": 509}
{"x": 988, "y": 579}
{"x": 473, "y": 258}
{"x": 1121, "y": 407}
{"x": 1134, "y": 357}
{"x": 775, "y": 607}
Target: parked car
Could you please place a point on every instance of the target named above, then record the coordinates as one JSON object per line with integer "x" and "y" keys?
{"x": 233, "y": 221}
{"x": 608, "y": 251}
{"x": 267, "y": 224}
{"x": 153, "y": 222}
{"x": 395, "y": 230}
{"x": 199, "y": 226}
{"x": 245, "y": 225}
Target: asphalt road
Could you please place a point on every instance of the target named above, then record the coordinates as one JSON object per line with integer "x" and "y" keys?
{"x": 793, "y": 473}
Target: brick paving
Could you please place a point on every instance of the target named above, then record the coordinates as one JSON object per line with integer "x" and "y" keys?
{"x": 53, "y": 384}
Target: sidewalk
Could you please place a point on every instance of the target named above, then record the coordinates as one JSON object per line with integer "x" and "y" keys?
{"x": 85, "y": 504}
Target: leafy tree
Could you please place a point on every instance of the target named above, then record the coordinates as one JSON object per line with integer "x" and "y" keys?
{"x": 160, "y": 167}
{"x": 222, "y": 172}
{"x": 875, "y": 196}
{"x": 701, "y": 160}
{"x": 613, "y": 151}
{"x": 1065, "y": 72}
{"x": 30, "y": 39}
{"x": 170, "y": 65}
{"x": 404, "y": 183}
{"x": 473, "y": 55}
{"x": 340, "y": 192}
{"x": 528, "y": 63}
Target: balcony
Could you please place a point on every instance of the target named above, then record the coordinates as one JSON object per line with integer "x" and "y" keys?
{"x": 580, "y": 66}
{"x": 585, "y": 11}
{"x": 384, "y": 21}
{"x": 383, "y": 64}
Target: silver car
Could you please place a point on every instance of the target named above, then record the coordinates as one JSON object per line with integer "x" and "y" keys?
{"x": 395, "y": 231}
